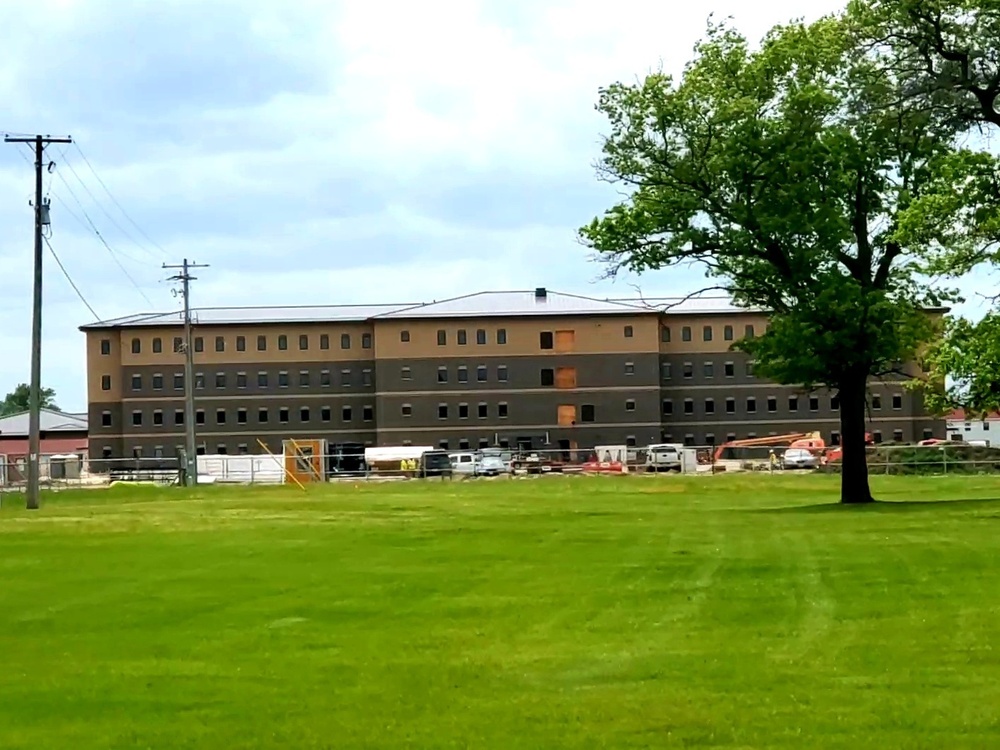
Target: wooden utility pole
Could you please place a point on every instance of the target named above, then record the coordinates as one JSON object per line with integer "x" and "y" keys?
{"x": 190, "y": 450}
{"x": 34, "y": 400}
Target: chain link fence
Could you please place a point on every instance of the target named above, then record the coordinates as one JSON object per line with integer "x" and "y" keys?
{"x": 70, "y": 472}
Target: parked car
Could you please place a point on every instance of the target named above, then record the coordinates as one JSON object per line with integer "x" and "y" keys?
{"x": 663, "y": 457}
{"x": 799, "y": 458}
{"x": 470, "y": 463}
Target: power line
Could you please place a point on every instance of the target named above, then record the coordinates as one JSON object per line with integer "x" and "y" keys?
{"x": 115, "y": 200}
{"x": 100, "y": 205}
{"x": 70, "y": 279}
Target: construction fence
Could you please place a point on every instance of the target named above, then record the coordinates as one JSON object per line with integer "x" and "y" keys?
{"x": 250, "y": 469}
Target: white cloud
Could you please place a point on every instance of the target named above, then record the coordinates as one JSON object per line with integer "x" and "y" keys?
{"x": 322, "y": 152}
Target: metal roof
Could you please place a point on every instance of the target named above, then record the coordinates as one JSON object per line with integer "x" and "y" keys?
{"x": 16, "y": 425}
{"x": 536, "y": 302}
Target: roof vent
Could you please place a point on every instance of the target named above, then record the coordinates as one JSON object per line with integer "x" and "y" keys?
{"x": 541, "y": 294}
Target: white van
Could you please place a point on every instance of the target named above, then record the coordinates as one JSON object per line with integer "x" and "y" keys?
{"x": 663, "y": 457}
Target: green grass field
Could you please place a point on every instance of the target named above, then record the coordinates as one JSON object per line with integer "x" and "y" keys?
{"x": 553, "y": 613}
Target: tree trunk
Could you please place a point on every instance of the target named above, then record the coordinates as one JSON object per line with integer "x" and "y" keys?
{"x": 854, "y": 463}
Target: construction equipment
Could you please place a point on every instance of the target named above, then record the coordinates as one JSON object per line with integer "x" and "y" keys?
{"x": 728, "y": 451}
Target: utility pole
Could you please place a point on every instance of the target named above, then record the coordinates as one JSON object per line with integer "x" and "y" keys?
{"x": 191, "y": 451}
{"x": 34, "y": 399}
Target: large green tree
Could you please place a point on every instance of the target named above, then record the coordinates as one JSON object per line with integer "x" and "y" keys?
{"x": 786, "y": 171}
{"x": 17, "y": 400}
{"x": 949, "y": 54}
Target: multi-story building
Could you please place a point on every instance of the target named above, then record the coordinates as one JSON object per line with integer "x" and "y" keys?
{"x": 539, "y": 369}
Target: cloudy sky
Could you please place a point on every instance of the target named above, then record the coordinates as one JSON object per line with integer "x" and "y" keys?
{"x": 316, "y": 152}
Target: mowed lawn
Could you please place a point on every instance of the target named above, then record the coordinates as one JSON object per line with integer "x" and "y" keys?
{"x": 541, "y": 613}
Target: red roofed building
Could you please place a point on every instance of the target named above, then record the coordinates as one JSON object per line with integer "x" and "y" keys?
{"x": 963, "y": 428}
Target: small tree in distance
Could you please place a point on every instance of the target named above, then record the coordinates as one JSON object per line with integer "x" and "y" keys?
{"x": 17, "y": 400}
{"x": 786, "y": 172}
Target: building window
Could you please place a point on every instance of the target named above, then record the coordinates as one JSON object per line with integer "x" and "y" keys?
{"x": 481, "y": 373}
{"x": 262, "y": 416}
{"x": 220, "y": 343}
{"x": 688, "y": 370}
{"x": 814, "y": 403}
{"x": 484, "y": 410}
{"x": 460, "y": 337}
{"x": 303, "y": 378}
{"x": 178, "y": 381}
{"x": 876, "y": 402}
{"x": 686, "y": 333}
{"x": 345, "y": 341}
{"x": 897, "y": 402}
{"x": 406, "y": 410}
{"x": 834, "y": 403}
{"x": 220, "y": 380}
{"x": 404, "y": 336}
{"x": 179, "y": 416}
{"x": 443, "y": 444}
{"x": 199, "y": 416}
{"x": 545, "y": 340}
{"x": 463, "y": 444}
{"x": 241, "y": 380}
{"x": 345, "y": 378}
{"x": 750, "y": 369}
{"x": 136, "y": 346}
{"x": 283, "y": 415}
{"x": 709, "y": 406}
{"x": 897, "y": 436}
{"x": 502, "y": 373}
{"x": 748, "y": 331}
{"x": 220, "y": 449}
{"x": 709, "y": 369}
{"x": 706, "y": 333}
{"x": 304, "y": 414}
{"x": 105, "y": 419}
{"x": 480, "y": 336}
{"x": 793, "y": 403}
{"x": 727, "y": 333}
{"x": 241, "y": 416}
{"x": 220, "y": 416}
{"x": 463, "y": 411}
{"x": 324, "y": 341}
{"x": 665, "y": 334}
{"x": 157, "y": 382}
{"x": 688, "y": 406}
{"x": 137, "y": 382}
{"x": 326, "y": 414}
{"x": 730, "y": 369}
{"x": 730, "y": 406}
{"x": 443, "y": 374}
{"x": 928, "y": 433}
{"x": 105, "y": 347}
{"x": 667, "y": 407}
{"x": 242, "y": 449}
{"x": 366, "y": 341}
{"x": 877, "y": 436}
{"x": 137, "y": 452}
{"x": 282, "y": 379}
{"x": 501, "y": 335}
{"x": 588, "y": 413}
{"x": 442, "y": 337}
{"x": 282, "y": 342}
{"x": 442, "y": 411}
{"x": 303, "y": 342}
{"x": 772, "y": 404}
{"x": 199, "y": 344}
{"x": 324, "y": 377}
{"x": 262, "y": 379}
{"x": 366, "y": 377}
{"x": 665, "y": 370}
{"x": 367, "y": 413}
{"x": 241, "y": 343}
{"x": 406, "y": 374}
{"x": 630, "y": 368}
{"x": 199, "y": 380}
{"x": 628, "y": 332}
{"x": 547, "y": 376}
{"x": 751, "y": 405}
{"x": 157, "y": 345}
{"x": 178, "y": 345}
{"x": 262, "y": 343}
{"x": 502, "y": 411}
{"x": 630, "y": 404}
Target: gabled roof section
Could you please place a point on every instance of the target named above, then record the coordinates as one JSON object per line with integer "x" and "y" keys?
{"x": 51, "y": 420}
{"x": 250, "y": 315}
{"x": 515, "y": 304}
{"x": 693, "y": 305}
